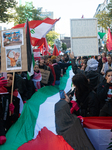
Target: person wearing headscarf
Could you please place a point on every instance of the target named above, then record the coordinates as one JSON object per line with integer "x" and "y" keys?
{"x": 6, "y": 107}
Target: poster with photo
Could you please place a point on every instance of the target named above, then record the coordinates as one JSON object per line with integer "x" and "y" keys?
{"x": 13, "y": 58}
{"x": 12, "y": 37}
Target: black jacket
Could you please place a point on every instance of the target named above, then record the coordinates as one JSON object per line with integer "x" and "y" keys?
{"x": 22, "y": 88}
{"x": 30, "y": 88}
{"x": 57, "y": 70}
{"x": 5, "y": 120}
{"x": 102, "y": 91}
{"x": 64, "y": 66}
{"x": 88, "y": 105}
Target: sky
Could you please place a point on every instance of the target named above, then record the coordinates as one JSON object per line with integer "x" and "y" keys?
{"x": 68, "y": 9}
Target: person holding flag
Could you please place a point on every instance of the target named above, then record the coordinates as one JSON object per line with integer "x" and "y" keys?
{"x": 6, "y": 120}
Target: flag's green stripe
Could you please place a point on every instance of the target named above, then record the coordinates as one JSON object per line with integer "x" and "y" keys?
{"x": 23, "y": 130}
{"x": 28, "y": 76}
{"x": 33, "y": 59}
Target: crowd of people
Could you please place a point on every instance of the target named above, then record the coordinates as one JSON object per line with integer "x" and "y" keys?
{"x": 92, "y": 82}
{"x": 24, "y": 88}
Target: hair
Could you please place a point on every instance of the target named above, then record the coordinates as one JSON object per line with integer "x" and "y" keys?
{"x": 54, "y": 61}
{"x": 46, "y": 57}
{"x": 81, "y": 83}
{"x": 105, "y": 54}
{"x": 84, "y": 57}
{"x": 109, "y": 56}
{"x": 96, "y": 57}
{"x": 110, "y": 70}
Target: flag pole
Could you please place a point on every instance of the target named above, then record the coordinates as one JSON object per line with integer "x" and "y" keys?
{"x": 12, "y": 91}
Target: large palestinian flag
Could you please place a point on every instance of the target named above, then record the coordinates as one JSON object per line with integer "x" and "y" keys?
{"x": 38, "y": 112}
{"x": 36, "y": 129}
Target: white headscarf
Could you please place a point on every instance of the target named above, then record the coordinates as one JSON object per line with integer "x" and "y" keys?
{"x": 92, "y": 64}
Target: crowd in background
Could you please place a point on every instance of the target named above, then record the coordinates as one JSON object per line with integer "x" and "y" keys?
{"x": 92, "y": 82}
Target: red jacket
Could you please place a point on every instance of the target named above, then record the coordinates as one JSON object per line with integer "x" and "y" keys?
{"x": 53, "y": 72}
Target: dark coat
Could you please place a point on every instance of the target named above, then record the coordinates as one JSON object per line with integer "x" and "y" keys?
{"x": 57, "y": 70}
{"x": 29, "y": 85}
{"x": 88, "y": 105}
{"x": 22, "y": 88}
{"x": 64, "y": 66}
{"x": 102, "y": 91}
{"x": 5, "y": 120}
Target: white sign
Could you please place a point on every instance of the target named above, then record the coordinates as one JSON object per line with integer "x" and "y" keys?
{"x": 84, "y": 40}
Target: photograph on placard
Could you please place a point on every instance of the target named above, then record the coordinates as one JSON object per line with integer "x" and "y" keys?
{"x": 13, "y": 58}
{"x": 12, "y": 37}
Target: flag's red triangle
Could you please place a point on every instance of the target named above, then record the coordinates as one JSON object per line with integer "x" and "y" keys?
{"x": 46, "y": 140}
{"x": 55, "y": 52}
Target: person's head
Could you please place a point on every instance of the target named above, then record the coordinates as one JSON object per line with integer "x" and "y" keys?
{"x": 50, "y": 61}
{"x": 41, "y": 62}
{"x": 84, "y": 65}
{"x": 92, "y": 65}
{"x": 57, "y": 59}
{"x": 14, "y": 33}
{"x": 17, "y": 55}
{"x": 109, "y": 59}
{"x": 96, "y": 57}
{"x": 53, "y": 57}
{"x": 53, "y": 61}
{"x": 19, "y": 73}
{"x": 103, "y": 54}
{"x": 46, "y": 59}
{"x": 66, "y": 55}
{"x": 83, "y": 59}
{"x": 104, "y": 60}
{"x": 108, "y": 74}
{"x": 81, "y": 84}
{"x": 62, "y": 58}
{"x": 36, "y": 68}
{"x": 9, "y": 79}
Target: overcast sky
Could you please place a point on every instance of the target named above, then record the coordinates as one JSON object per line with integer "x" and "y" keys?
{"x": 67, "y": 10}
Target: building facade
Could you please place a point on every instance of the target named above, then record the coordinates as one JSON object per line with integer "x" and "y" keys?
{"x": 66, "y": 40}
{"x": 102, "y": 7}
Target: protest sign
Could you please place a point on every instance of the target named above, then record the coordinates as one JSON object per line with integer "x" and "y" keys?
{"x": 84, "y": 40}
{"x": 13, "y": 50}
{"x": 45, "y": 76}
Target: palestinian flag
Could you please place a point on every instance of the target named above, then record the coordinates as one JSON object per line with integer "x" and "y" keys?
{"x": 39, "y": 28}
{"x": 36, "y": 129}
{"x": 99, "y": 131}
{"x": 38, "y": 112}
{"x": 30, "y": 56}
